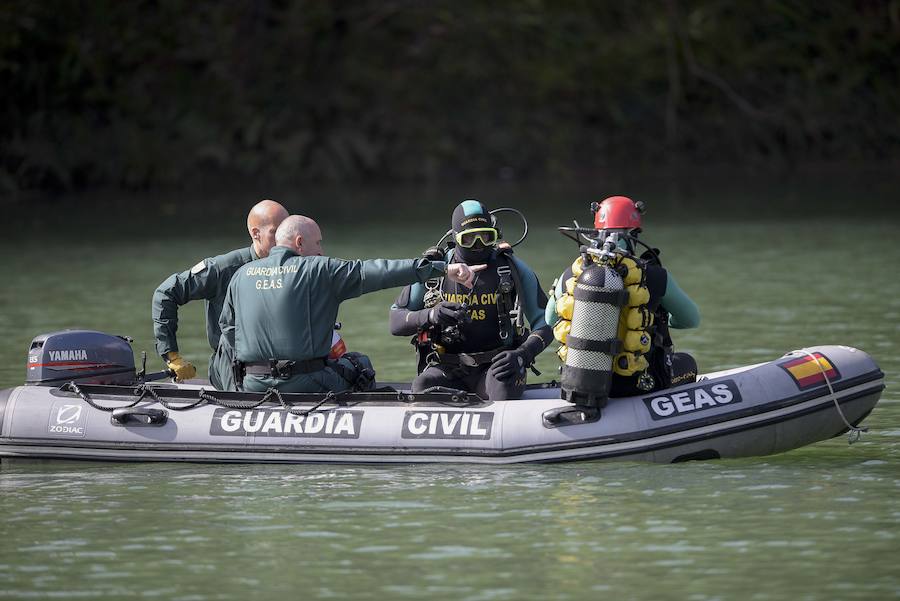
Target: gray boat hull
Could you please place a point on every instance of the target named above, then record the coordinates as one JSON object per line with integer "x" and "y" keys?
{"x": 750, "y": 411}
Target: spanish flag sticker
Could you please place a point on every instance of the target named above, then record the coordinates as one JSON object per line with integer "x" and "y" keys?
{"x": 809, "y": 372}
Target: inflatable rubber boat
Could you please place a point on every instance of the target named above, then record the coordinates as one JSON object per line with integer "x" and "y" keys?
{"x": 88, "y": 403}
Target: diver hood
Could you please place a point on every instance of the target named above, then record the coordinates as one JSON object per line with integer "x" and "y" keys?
{"x": 471, "y": 215}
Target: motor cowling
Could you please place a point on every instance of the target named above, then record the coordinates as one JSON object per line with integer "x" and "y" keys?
{"x": 599, "y": 294}
{"x": 85, "y": 356}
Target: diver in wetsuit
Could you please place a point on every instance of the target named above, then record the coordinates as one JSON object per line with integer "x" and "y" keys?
{"x": 668, "y": 306}
{"x": 475, "y": 340}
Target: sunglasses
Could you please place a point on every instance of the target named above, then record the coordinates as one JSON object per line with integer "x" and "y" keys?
{"x": 487, "y": 235}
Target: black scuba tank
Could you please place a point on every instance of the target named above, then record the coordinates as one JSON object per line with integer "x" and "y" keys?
{"x": 592, "y": 342}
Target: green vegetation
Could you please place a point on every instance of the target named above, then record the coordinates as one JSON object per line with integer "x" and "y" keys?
{"x": 141, "y": 94}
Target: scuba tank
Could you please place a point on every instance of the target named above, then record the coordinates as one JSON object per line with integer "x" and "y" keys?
{"x": 592, "y": 340}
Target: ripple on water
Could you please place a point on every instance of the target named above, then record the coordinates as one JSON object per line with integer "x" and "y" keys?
{"x": 340, "y": 505}
{"x": 33, "y": 568}
{"x": 679, "y": 547}
{"x": 263, "y": 528}
{"x": 458, "y": 551}
{"x": 765, "y": 487}
{"x": 788, "y": 543}
{"x": 478, "y": 516}
{"x": 56, "y": 546}
{"x": 673, "y": 563}
{"x": 103, "y": 575}
{"x": 66, "y": 594}
{"x": 98, "y": 554}
{"x": 319, "y": 534}
{"x": 376, "y": 549}
{"x": 736, "y": 543}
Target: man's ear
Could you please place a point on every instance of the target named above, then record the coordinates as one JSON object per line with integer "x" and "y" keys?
{"x": 254, "y": 233}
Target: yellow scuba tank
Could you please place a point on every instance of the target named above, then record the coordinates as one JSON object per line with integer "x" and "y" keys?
{"x": 635, "y": 323}
{"x": 636, "y": 318}
{"x": 630, "y": 270}
{"x": 561, "y": 330}
{"x": 564, "y": 306}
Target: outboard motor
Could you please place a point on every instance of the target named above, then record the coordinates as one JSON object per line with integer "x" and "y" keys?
{"x": 593, "y": 339}
{"x": 84, "y": 356}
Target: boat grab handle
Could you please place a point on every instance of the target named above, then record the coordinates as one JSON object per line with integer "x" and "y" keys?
{"x": 138, "y": 416}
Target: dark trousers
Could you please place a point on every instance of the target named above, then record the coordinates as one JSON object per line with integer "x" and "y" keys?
{"x": 221, "y": 373}
{"x": 478, "y": 379}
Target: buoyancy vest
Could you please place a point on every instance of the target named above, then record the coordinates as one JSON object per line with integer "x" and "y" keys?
{"x": 495, "y": 309}
{"x": 642, "y": 328}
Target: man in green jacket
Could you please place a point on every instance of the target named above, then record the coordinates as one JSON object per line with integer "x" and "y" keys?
{"x": 208, "y": 280}
{"x": 279, "y": 312}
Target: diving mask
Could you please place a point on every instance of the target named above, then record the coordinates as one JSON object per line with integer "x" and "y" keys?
{"x": 468, "y": 238}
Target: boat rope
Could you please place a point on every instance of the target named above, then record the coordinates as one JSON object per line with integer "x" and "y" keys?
{"x": 244, "y": 405}
{"x": 144, "y": 390}
{"x": 269, "y": 394}
{"x": 204, "y": 396}
{"x": 73, "y": 387}
{"x": 853, "y": 432}
{"x": 330, "y": 396}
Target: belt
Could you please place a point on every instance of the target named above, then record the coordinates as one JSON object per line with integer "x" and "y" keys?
{"x": 469, "y": 359}
{"x": 283, "y": 368}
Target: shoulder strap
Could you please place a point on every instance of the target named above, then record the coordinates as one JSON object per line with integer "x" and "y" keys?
{"x": 509, "y": 303}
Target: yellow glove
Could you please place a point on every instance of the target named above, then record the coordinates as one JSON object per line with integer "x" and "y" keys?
{"x": 183, "y": 369}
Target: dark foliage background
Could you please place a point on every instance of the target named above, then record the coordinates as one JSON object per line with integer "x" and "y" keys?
{"x": 151, "y": 93}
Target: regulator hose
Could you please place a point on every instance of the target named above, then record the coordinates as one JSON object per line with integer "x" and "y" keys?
{"x": 580, "y": 235}
{"x": 441, "y": 242}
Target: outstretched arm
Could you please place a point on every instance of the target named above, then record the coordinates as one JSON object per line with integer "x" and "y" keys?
{"x": 355, "y": 278}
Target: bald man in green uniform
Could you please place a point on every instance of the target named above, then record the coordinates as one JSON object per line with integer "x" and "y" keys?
{"x": 208, "y": 280}
{"x": 280, "y": 310}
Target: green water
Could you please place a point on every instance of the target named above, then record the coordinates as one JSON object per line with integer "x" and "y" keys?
{"x": 818, "y": 523}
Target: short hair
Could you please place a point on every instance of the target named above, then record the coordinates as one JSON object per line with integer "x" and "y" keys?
{"x": 291, "y": 227}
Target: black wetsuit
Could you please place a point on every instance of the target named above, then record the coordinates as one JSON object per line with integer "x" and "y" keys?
{"x": 480, "y": 339}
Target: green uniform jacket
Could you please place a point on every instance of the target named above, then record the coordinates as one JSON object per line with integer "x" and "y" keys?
{"x": 207, "y": 280}
{"x": 284, "y": 306}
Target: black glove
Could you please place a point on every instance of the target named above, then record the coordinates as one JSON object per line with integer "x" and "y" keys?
{"x": 435, "y": 253}
{"x": 510, "y": 364}
{"x": 446, "y": 314}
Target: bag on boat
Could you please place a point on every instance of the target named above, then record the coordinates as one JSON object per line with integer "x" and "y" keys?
{"x": 356, "y": 369}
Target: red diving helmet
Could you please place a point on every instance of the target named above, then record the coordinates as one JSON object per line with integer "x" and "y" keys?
{"x": 618, "y": 212}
